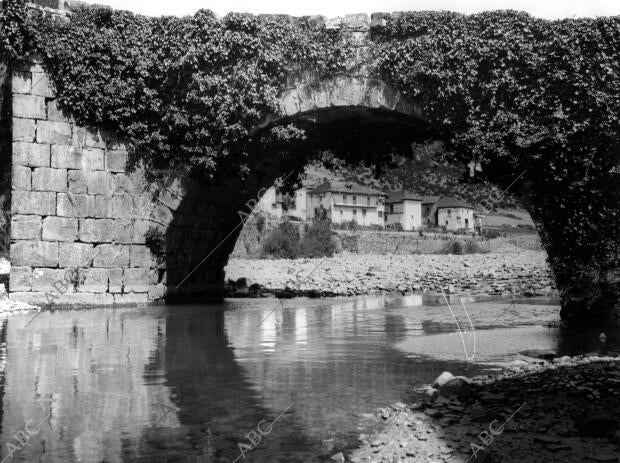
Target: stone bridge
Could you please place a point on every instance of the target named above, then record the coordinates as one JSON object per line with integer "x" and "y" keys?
{"x": 74, "y": 205}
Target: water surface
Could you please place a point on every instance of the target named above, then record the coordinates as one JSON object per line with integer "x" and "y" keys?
{"x": 188, "y": 383}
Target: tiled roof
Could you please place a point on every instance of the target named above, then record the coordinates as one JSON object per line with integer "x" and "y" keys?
{"x": 348, "y": 188}
{"x": 398, "y": 196}
{"x": 451, "y": 201}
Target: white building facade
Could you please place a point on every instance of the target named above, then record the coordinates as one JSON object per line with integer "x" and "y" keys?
{"x": 404, "y": 208}
{"x": 347, "y": 202}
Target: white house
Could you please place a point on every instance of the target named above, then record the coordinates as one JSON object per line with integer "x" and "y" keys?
{"x": 347, "y": 202}
{"x": 404, "y": 208}
{"x": 280, "y": 205}
{"x": 455, "y": 214}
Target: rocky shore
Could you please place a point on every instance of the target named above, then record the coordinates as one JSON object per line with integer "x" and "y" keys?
{"x": 522, "y": 272}
{"x": 559, "y": 410}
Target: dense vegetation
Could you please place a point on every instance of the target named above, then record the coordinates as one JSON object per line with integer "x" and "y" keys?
{"x": 286, "y": 241}
{"x": 507, "y": 92}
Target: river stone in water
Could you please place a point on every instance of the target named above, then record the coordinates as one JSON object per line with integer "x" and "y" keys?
{"x": 442, "y": 379}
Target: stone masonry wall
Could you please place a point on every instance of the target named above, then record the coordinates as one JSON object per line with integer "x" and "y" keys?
{"x": 74, "y": 207}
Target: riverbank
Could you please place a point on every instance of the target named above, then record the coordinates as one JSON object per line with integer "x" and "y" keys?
{"x": 518, "y": 271}
{"x": 536, "y": 411}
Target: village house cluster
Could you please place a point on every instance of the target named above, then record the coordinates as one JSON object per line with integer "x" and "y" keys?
{"x": 347, "y": 202}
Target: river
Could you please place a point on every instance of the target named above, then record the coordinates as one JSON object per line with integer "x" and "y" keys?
{"x": 192, "y": 383}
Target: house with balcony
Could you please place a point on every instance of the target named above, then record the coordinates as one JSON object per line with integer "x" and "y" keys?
{"x": 347, "y": 202}
{"x": 404, "y": 208}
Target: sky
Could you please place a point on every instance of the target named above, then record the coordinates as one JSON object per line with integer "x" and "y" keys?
{"x": 548, "y": 9}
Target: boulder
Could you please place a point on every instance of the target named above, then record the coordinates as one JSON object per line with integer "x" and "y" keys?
{"x": 458, "y": 386}
{"x": 538, "y": 354}
{"x": 442, "y": 379}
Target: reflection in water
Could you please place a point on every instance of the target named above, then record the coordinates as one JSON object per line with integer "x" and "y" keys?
{"x": 188, "y": 383}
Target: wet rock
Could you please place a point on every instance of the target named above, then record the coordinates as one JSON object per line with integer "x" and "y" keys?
{"x": 337, "y": 457}
{"x": 539, "y": 354}
{"x": 442, "y": 379}
{"x": 458, "y": 386}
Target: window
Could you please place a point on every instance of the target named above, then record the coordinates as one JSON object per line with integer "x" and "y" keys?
{"x": 341, "y": 216}
{"x": 354, "y": 211}
{"x": 368, "y": 200}
{"x": 449, "y": 212}
{"x": 392, "y": 208}
{"x": 344, "y": 199}
{"x": 354, "y": 199}
{"x": 274, "y": 205}
{"x": 446, "y": 223}
{"x": 364, "y": 212}
{"x": 380, "y": 213}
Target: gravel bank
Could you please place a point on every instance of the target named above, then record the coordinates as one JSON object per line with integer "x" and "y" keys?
{"x": 560, "y": 411}
{"x": 522, "y": 272}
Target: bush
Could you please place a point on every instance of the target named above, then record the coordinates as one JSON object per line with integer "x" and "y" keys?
{"x": 318, "y": 240}
{"x": 282, "y": 242}
{"x": 464, "y": 247}
{"x": 155, "y": 240}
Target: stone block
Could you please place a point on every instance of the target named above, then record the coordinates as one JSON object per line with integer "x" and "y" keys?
{"x": 38, "y": 299}
{"x": 123, "y": 207}
{"x": 161, "y": 214}
{"x": 21, "y": 178}
{"x": 123, "y": 231}
{"x": 141, "y": 257}
{"x": 41, "y": 85}
{"x": 112, "y": 256}
{"x": 115, "y": 278}
{"x": 34, "y": 253}
{"x": 100, "y": 183}
{"x": 140, "y": 228}
{"x": 77, "y": 299}
{"x": 77, "y": 181}
{"x": 54, "y": 133}
{"x": 23, "y": 130}
{"x": 96, "y": 230}
{"x": 76, "y": 255}
{"x": 103, "y": 207}
{"x": 21, "y": 82}
{"x": 33, "y": 202}
{"x": 60, "y": 229}
{"x": 122, "y": 184}
{"x": 95, "y": 281}
{"x": 72, "y": 157}
{"x": 20, "y": 279}
{"x": 116, "y": 161}
{"x": 58, "y": 281}
{"x": 137, "y": 280}
{"x": 142, "y": 206}
{"x": 54, "y": 113}
{"x": 131, "y": 299}
{"x": 31, "y": 154}
{"x": 88, "y": 137}
{"x": 26, "y": 227}
{"x": 48, "y": 179}
{"x": 29, "y": 107}
{"x": 157, "y": 292}
{"x": 75, "y": 205}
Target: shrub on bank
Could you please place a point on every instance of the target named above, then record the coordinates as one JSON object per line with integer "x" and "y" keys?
{"x": 282, "y": 242}
{"x": 464, "y": 247}
{"x": 318, "y": 240}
